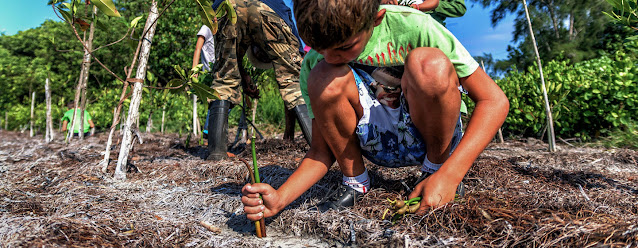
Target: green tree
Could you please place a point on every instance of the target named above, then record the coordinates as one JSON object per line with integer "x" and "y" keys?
{"x": 573, "y": 29}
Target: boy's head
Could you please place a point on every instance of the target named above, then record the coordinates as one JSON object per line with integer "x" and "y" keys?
{"x": 70, "y": 104}
{"x": 324, "y": 24}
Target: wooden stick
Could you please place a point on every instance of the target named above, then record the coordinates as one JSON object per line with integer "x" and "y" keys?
{"x": 259, "y": 225}
{"x": 262, "y": 223}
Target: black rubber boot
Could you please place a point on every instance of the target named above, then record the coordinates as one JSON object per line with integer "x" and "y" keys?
{"x": 304, "y": 121}
{"x": 218, "y": 130}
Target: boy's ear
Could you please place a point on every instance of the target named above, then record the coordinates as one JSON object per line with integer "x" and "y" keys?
{"x": 379, "y": 17}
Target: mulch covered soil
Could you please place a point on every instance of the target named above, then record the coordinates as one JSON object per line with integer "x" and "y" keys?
{"x": 518, "y": 194}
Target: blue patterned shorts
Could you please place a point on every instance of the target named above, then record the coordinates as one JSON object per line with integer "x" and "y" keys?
{"x": 387, "y": 136}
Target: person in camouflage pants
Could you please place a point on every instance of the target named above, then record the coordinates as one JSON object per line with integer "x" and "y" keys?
{"x": 273, "y": 42}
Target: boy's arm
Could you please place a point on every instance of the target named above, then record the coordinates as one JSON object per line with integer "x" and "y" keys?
{"x": 312, "y": 168}
{"x": 92, "y": 131}
{"x": 64, "y": 124}
{"x": 488, "y": 116}
{"x": 426, "y": 5}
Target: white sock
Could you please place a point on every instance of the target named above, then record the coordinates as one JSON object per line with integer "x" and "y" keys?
{"x": 429, "y": 167}
{"x": 360, "y": 183}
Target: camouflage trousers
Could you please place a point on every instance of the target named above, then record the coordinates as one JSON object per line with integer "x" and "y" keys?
{"x": 257, "y": 25}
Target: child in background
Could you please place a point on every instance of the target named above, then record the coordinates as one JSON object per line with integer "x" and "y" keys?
{"x": 347, "y": 119}
{"x": 204, "y": 54}
{"x": 88, "y": 128}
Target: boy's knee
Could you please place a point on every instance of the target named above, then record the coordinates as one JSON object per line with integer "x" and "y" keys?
{"x": 431, "y": 71}
{"x": 326, "y": 82}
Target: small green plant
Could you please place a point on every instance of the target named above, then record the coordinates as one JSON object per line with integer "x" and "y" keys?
{"x": 402, "y": 207}
{"x": 623, "y": 138}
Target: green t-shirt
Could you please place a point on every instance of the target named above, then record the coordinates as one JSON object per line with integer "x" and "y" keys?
{"x": 401, "y": 30}
{"x": 68, "y": 116}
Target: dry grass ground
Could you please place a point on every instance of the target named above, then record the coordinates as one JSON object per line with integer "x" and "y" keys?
{"x": 518, "y": 195}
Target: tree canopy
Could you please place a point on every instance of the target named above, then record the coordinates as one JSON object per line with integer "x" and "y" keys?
{"x": 576, "y": 30}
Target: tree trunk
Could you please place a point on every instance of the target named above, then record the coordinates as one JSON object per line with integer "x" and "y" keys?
{"x": 49, "y": 135}
{"x": 133, "y": 113}
{"x": 163, "y": 115}
{"x": 550, "y": 136}
{"x": 572, "y": 34}
{"x": 86, "y": 66}
{"x": 31, "y": 132}
{"x": 6, "y": 120}
{"x": 552, "y": 15}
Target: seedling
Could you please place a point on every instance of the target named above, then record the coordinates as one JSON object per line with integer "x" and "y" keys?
{"x": 401, "y": 207}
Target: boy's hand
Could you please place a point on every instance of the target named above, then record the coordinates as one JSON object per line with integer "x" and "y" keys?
{"x": 435, "y": 190}
{"x": 256, "y": 208}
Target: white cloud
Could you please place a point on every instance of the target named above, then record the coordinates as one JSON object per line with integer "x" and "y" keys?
{"x": 497, "y": 37}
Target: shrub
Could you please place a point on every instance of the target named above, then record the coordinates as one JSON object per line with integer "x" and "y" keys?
{"x": 586, "y": 98}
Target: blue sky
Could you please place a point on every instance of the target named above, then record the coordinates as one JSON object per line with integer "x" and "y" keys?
{"x": 473, "y": 30}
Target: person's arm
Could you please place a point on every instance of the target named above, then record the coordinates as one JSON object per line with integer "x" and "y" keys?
{"x": 452, "y": 8}
{"x": 312, "y": 168}
{"x": 64, "y": 124}
{"x": 92, "y": 126}
{"x": 198, "y": 50}
{"x": 426, "y": 5}
{"x": 488, "y": 116}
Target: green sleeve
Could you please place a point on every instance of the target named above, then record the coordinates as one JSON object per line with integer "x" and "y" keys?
{"x": 310, "y": 60}
{"x": 67, "y": 116}
{"x": 448, "y": 8}
{"x": 451, "y": 8}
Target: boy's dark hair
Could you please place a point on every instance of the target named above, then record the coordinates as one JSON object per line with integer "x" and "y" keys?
{"x": 70, "y": 104}
{"x": 324, "y": 24}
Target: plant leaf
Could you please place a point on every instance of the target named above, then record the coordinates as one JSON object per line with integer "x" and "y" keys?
{"x": 66, "y": 15}
{"x": 107, "y": 7}
{"x": 135, "y": 21}
{"x": 204, "y": 92}
{"x": 204, "y": 12}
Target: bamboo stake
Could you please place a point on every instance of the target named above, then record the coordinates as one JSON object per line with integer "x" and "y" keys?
{"x": 49, "y": 135}
{"x": 550, "y": 122}
{"x": 31, "y": 132}
{"x": 163, "y": 115}
{"x": 196, "y": 129}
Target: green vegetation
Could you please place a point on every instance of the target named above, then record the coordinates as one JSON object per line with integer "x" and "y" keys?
{"x": 573, "y": 30}
{"x": 588, "y": 99}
